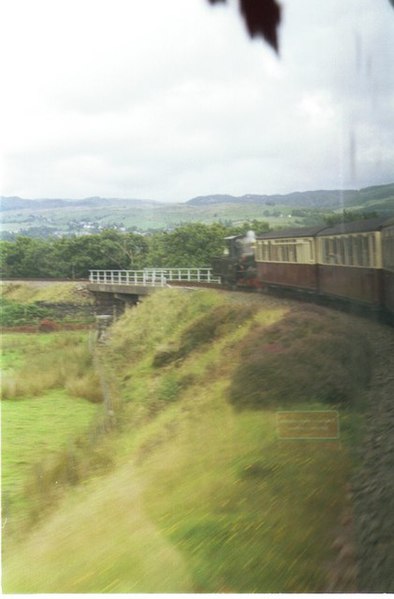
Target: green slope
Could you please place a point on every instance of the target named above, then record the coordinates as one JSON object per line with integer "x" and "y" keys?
{"x": 202, "y": 495}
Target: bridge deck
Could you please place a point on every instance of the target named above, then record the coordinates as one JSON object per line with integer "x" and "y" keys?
{"x": 120, "y": 289}
{"x": 148, "y": 278}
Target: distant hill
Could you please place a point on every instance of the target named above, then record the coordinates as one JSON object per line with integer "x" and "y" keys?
{"x": 305, "y": 199}
{"x": 55, "y": 217}
{"x": 16, "y": 203}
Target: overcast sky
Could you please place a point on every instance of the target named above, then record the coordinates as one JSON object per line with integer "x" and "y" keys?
{"x": 170, "y": 99}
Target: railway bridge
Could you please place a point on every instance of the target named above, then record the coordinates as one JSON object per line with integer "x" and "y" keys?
{"x": 113, "y": 289}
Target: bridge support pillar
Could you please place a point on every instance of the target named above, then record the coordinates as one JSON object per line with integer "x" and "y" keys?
{"x": 112, "y": 303}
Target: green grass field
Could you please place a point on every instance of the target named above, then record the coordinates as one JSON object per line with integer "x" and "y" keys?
{"x": 33, "y": 429}
{"x": 39, "y": 415}
{"x": 159, "y": 216}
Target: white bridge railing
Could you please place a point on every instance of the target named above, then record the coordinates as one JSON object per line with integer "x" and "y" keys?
{"x": 159, "y": 277}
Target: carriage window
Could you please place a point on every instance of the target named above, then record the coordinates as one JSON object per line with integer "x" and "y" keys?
{"x": 290, "y": 250}
{"x": 342, "y": 258}
{"x": 358, "y": 254}
{"x": 349, "y": 251}
{"x": 311, "y": 251}
{"x": 331, "y": 252}
{"x": 293, "y": 252}
{"x": 326, "y": 251}
{"x": 372, "y": 250}
{"x": 334, "y": 252}
{"x": 299, "y": 253}
{"x": 262, "y": 250}
{"x": 284, "y": 250}
{"x": 274, "y": 253}
{"x": 366, "y": 259}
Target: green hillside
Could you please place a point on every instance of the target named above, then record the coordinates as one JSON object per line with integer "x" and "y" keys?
{"x": 43, "y": 218}
{"x": 186, "y": 485}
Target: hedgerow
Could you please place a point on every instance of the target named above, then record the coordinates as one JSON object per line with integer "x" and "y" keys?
{"x": 14, "y": 314}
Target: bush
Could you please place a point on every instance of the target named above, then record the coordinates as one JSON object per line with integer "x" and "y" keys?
{"x": 14, "y": 314}
{"x": 309, "y": 356}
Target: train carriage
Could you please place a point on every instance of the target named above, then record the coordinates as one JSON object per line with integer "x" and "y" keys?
{"x": 388, "y": 265}
{"x": 288, "y": 258}
{"x": 350, "y": 261}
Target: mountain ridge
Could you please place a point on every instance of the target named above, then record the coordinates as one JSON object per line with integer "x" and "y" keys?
{"x": 320, "y": 198}
{"x": 323, "y": 198}
{"x": 18, "y": 203}
{"x": 56, "y": 217}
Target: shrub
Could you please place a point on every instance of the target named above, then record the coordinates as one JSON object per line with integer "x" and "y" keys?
{"x": 14, "y": 314}
{"x": 307, "y": 357}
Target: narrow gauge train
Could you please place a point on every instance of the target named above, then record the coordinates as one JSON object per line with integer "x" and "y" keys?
{"x": 350, "y": 262}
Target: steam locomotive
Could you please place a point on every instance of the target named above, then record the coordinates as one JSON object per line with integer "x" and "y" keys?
{"x": 349, "y": 262}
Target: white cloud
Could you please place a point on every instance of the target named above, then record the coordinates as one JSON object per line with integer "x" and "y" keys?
{"x": 168, "y": 101}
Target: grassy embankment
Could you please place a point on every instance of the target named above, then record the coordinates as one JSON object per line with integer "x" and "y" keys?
{"x": 44, "y": 291}
{"x": 25, "y": 304}
{"x": 202, "y": 495}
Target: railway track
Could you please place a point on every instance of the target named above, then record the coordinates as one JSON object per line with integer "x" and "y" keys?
{"x": 373, "y": 484}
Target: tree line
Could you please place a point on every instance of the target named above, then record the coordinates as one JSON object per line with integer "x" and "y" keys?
{"x": 189, "y": 245}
